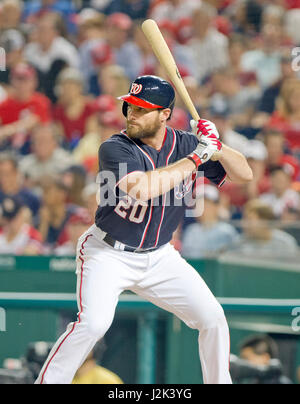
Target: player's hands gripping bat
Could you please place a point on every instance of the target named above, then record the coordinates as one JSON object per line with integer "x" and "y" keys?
{"x": 206, "y": 148}
{"x": 204, "y": 128}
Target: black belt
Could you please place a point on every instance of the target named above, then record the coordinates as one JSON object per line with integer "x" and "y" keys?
{"x": 117, "y": 245}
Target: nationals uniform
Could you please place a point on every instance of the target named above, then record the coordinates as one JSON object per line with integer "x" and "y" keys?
{"x": 128, "y": 249}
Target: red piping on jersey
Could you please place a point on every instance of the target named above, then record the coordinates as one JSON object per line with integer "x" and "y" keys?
{"x": 80, "y": 307}
{"x": 161, "y": 220}
{"x": 164, "y": 200}
{"x": 172, "y": 149}
{"x": 147, "y": 226}
{"x": 81, "y": 275}
{"x": 222, "y": 181}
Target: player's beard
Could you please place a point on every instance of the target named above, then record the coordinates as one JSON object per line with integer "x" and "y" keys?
{"x": 138, "y": 131}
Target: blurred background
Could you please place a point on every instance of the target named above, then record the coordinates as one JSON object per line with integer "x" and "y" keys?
{"x": 64, "y": 64}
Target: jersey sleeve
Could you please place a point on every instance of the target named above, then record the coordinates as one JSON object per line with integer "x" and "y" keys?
{"x": 214, "y": 171}
{"x": 116, "y": 161}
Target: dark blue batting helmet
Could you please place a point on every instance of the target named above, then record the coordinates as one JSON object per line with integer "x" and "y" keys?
{"x": 149, "y": 92}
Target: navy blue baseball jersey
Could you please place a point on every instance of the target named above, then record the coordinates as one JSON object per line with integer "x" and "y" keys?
{"x": 145, "y": 224}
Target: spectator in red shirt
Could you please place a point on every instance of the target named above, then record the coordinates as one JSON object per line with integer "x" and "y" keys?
{"x": 74, "y": 112}
{"x": 292, "y": 3}
{"x": 24, "y": 108}
{"x": 274, "y": 141}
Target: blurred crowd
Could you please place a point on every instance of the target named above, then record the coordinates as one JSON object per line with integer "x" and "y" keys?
{"x": 64, "y": 63}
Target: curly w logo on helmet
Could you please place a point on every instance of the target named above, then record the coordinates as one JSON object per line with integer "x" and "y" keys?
{"x": 136, "y": 88}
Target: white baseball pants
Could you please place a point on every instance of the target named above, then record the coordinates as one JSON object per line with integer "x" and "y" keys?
{"x": 164, "y": 278}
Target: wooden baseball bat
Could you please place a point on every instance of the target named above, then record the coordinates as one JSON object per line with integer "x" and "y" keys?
{"x": 166, "y": 59}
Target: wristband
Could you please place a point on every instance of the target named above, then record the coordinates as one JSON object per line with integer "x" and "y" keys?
{"x": 195, "y": 159}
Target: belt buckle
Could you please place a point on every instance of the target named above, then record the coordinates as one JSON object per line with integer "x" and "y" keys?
{"x": 143, "y": 250}
{"x": 138, "y": 251}
{"x": 119, "y": 246}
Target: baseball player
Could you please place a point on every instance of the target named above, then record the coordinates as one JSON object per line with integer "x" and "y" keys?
{"x": 128, "y": 247}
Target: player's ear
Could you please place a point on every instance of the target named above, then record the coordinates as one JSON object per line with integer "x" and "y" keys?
{"x": 165, "y": 114}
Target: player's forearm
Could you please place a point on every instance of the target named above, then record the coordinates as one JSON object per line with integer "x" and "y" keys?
{"x": 235, "y": 165}
{"x": 152, "y": 184}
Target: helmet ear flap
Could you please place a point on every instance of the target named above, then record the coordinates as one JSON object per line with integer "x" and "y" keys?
{"x": 171, "y": 107}
{"x": 124, "y": 108}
